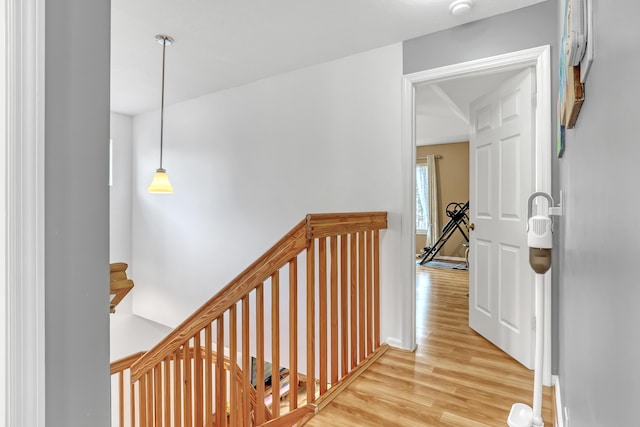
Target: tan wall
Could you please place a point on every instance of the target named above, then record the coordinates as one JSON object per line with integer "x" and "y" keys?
{"x": 453, "y": 186}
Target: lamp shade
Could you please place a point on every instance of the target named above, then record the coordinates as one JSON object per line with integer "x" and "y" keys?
{"x": 160, "y": 183}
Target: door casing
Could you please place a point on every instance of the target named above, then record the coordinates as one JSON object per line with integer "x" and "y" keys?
{"x": 538, "y": 57}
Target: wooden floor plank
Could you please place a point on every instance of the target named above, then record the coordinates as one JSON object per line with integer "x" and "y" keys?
{"x": 454, "y": 378}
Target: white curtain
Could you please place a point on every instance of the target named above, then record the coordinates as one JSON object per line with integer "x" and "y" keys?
{"x": 433, "y": 233}
{"x": 422, "y": 199}
{"x": 427, "y": 200}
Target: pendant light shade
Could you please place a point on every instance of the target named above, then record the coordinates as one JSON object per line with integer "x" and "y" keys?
{"x": 160, "y": 183}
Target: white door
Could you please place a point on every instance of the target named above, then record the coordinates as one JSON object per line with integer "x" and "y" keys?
{"x": 501, "y": 173}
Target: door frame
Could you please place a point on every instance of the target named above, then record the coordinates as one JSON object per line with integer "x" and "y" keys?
{"x": 540, "y": 59}
{"x": 22, "y": 197}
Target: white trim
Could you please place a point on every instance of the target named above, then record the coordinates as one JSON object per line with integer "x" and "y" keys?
{"x": 539, "y": 57}
{"x": 4, "y": 228}
{"x": 24, "y": 115}
{"x": 558, "y": 402}
{"x": 407, "y": 214}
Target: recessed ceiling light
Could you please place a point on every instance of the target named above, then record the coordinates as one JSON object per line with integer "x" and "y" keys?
{"x": 458, "y": 7}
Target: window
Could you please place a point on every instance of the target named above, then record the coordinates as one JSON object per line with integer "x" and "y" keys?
{"x": 423, "y": 218}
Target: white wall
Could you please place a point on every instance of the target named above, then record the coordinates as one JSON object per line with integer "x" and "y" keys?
{"x": 131, "y": 334}
{"x": 248, "y": 163}
{"x": 120, "y": 200}
{"x": 120, "y": 190}
{"x": 128, "y": 333}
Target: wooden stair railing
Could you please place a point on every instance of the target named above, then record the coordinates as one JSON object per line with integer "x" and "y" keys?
{"x": 121, "y": 369}
{"x": 337, "y": 328}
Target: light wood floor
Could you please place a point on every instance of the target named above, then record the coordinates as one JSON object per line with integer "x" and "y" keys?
{"x": 454, "y": 378}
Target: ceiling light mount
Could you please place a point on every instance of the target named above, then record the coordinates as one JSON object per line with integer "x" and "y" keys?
{"x": 164, "y": 40}
{"x": 459, "y": 7}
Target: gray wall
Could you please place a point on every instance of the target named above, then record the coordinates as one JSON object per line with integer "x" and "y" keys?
{"x": 521, "y": 29}
{"x": 599, "y": 287}
{"x": 77, "y": 213}
{"x": 524, "y": 28}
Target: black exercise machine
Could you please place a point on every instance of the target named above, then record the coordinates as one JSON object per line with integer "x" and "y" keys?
{"x": 458, "y": 214}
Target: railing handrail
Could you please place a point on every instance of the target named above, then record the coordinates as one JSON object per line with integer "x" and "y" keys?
{"x": 327, "y": 225}
{"x": 125, "y": 363}
{"x": 291, "y": 245}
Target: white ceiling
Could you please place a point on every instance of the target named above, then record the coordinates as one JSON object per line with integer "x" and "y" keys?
{"x": 442, "y": 109}
{"x": 225, "y": 43}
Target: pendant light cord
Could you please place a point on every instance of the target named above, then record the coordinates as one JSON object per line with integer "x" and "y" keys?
{"x": 164, "y": 47}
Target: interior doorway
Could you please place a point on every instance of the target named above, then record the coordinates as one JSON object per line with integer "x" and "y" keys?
{"x": 447, "y": 76}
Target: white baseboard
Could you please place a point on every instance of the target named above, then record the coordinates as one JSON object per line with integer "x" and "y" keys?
{"x": 394, "y": 342}
{"x": 397, "y": 344}
{"x": 559, "y": 421}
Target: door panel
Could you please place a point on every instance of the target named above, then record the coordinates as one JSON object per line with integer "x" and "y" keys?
{"x": 509, "y": 295}
{"x": 501, "y": 153}
{"x": 483, "y": 182}
{"x": 509, "y": 178}
{"x": 482, "y": 290}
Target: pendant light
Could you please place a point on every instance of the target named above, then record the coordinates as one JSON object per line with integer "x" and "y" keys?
{"x": 160, "y": 183}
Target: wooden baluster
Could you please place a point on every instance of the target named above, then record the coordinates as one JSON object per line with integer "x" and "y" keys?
{"x": 149, "y": 388}
{"x": 334, "y": 309}
{"x": 132, "y": 399}
{"x": 167, "y": 391}
{"x": 233, "y": 373}
{"x": 246, "y": 366}
{"x": 142, "y": 388}
{"x": 361, "y": 299}
{"x": 354, "y": 299}
{"x": 177, "y": 387}
{"x": 368, "y": 268}
{"x": 221, "y": 376}
{"x": 311, "y": 330}
{"x": 157, "y": 395}
{"x": 121, "y": 398}
{"x": 376, "y": 288}
{"x": 260, "y": 354}
{"x": 197, "y": 380}
{"x": 209, "y": 373}
{"x": 187, "y": 408}
{"x": 322, "y": 286}
{"x": 344, "y": 305}
{"x": 275, "y": 344}
{"x": 293, "y": 334}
